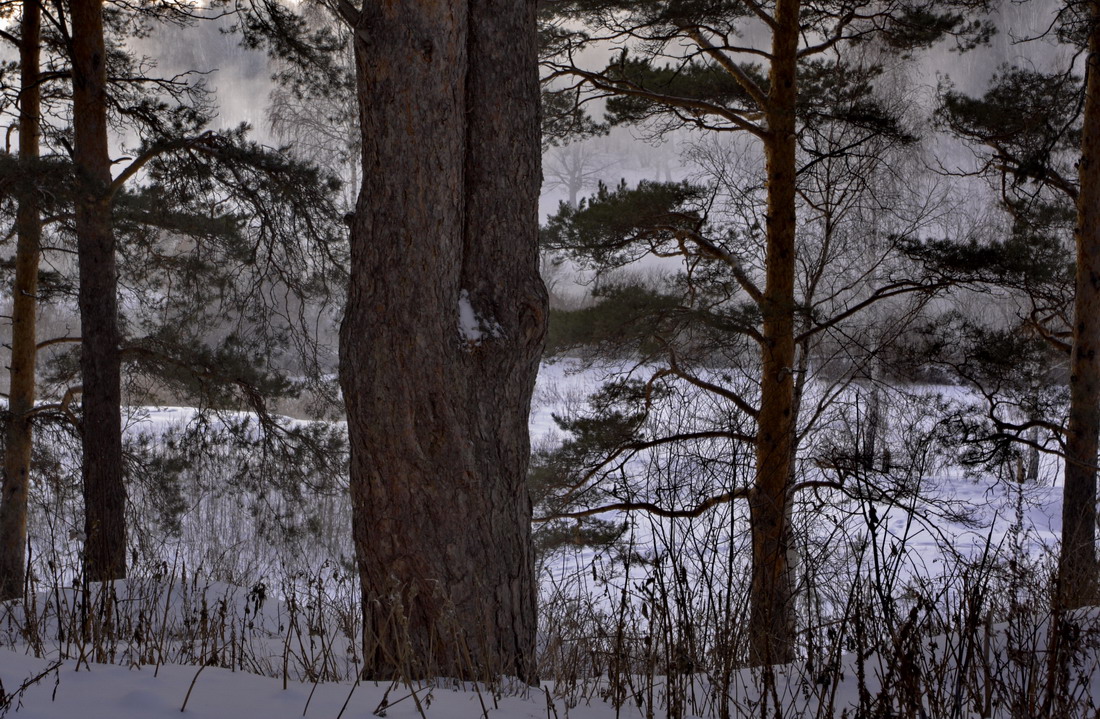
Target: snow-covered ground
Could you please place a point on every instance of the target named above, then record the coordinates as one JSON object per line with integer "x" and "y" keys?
{"x": 100, "y": 691}
{"x": 291, "y": 648}
{"x": 54, "y": 689}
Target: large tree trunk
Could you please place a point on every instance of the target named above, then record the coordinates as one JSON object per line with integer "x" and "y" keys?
{"x": 444, "y": 236}
{"x": 1077, "y": 562}
{"x": 21, "y": 392}
{"x": 104, "y": 491}
{"x": 772, "y": 610}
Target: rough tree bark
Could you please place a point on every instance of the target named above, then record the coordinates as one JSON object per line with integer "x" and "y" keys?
{"x": 444, "y": 234}
{"x": 21, "y": 393}
{"x": 772, "y": 617}
{"x": 104, "y": 491}
{"x": 1077, "y": 566}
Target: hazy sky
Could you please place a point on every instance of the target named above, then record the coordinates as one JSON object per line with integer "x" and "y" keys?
{"x": 242, "y": 78}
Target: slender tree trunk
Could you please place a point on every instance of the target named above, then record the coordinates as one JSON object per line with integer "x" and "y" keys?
{"x": 574, "y": 191}
{"x": 1077, "y": 563}
{"x": 445, "y": 238}
{"x": 21, "y": 393}
{"x": 772, "y": 610}
{"x": 104, "y": 491}
{"x": 1032, "y": 474}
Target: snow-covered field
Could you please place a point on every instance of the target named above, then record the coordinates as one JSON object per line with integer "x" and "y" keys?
{"x": 101, "y": 691}
{"x": 284, "y": 645}
{"x": 51, "y": 689}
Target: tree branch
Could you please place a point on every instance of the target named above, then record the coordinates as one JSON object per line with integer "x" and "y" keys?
{"x": 733, "y": 263}
{"x": 732, "y": 396}
{"x": 881, "y": 293}
{"x": 697, "y": 510}
{"x": 673, "y": 101}
{"x": 155, "y": 151}
{"x": 687, "y": 437}
{"x": 347, "y": 12}
{"x": 63, "y": 406}
{"x": 759, "y": 11}
{"x": 755, "y": 91}
{"x": 55, "y": 341}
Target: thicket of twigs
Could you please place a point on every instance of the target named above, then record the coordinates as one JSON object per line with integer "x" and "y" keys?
{"x": 651, "y": 620}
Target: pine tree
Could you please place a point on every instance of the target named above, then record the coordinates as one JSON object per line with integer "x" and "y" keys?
{"x": 227, "y": 253}
{"x": 1037, "y": 132}
{"x": 444, "y": 324}
{"x": 101, "y": 392}
{"x": 21, "y": 388}
{"x": 810, "y": 77}
{"x": 442, "y": 335}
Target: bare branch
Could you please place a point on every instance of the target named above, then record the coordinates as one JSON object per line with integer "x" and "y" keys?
{"x": 64, "y": 406}
{"x": 732, "y": 396}
{"x": 759, "y": 11}
{"x": 733, "y": 263}
{"x": 697, "y": 510}
{"x": 759, "y": 96}
{"x": 153, "y": 152}
{"x": 55, "y": 341}
{"x": 892, "y": 290}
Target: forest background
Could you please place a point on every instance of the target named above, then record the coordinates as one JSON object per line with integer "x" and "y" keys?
{"x": 919, "y": 353}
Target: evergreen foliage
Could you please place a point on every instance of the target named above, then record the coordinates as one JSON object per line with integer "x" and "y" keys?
{"x": 223, "y": 242}
{"x": 777, "y": 266}
{"x": 1035, "y": 134}
{"x": 1025, "y": 133}
{"x": 626, "y": 321}
{"x": 232, "y": 257}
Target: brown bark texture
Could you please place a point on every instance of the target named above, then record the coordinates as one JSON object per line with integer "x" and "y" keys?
{"x": 21, "y": 393}
{"x": 1077, "y": 566}
{"x": 104, "y": 491}
{"x": 446, "y": 222}
{"x": 772, "y": 615}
